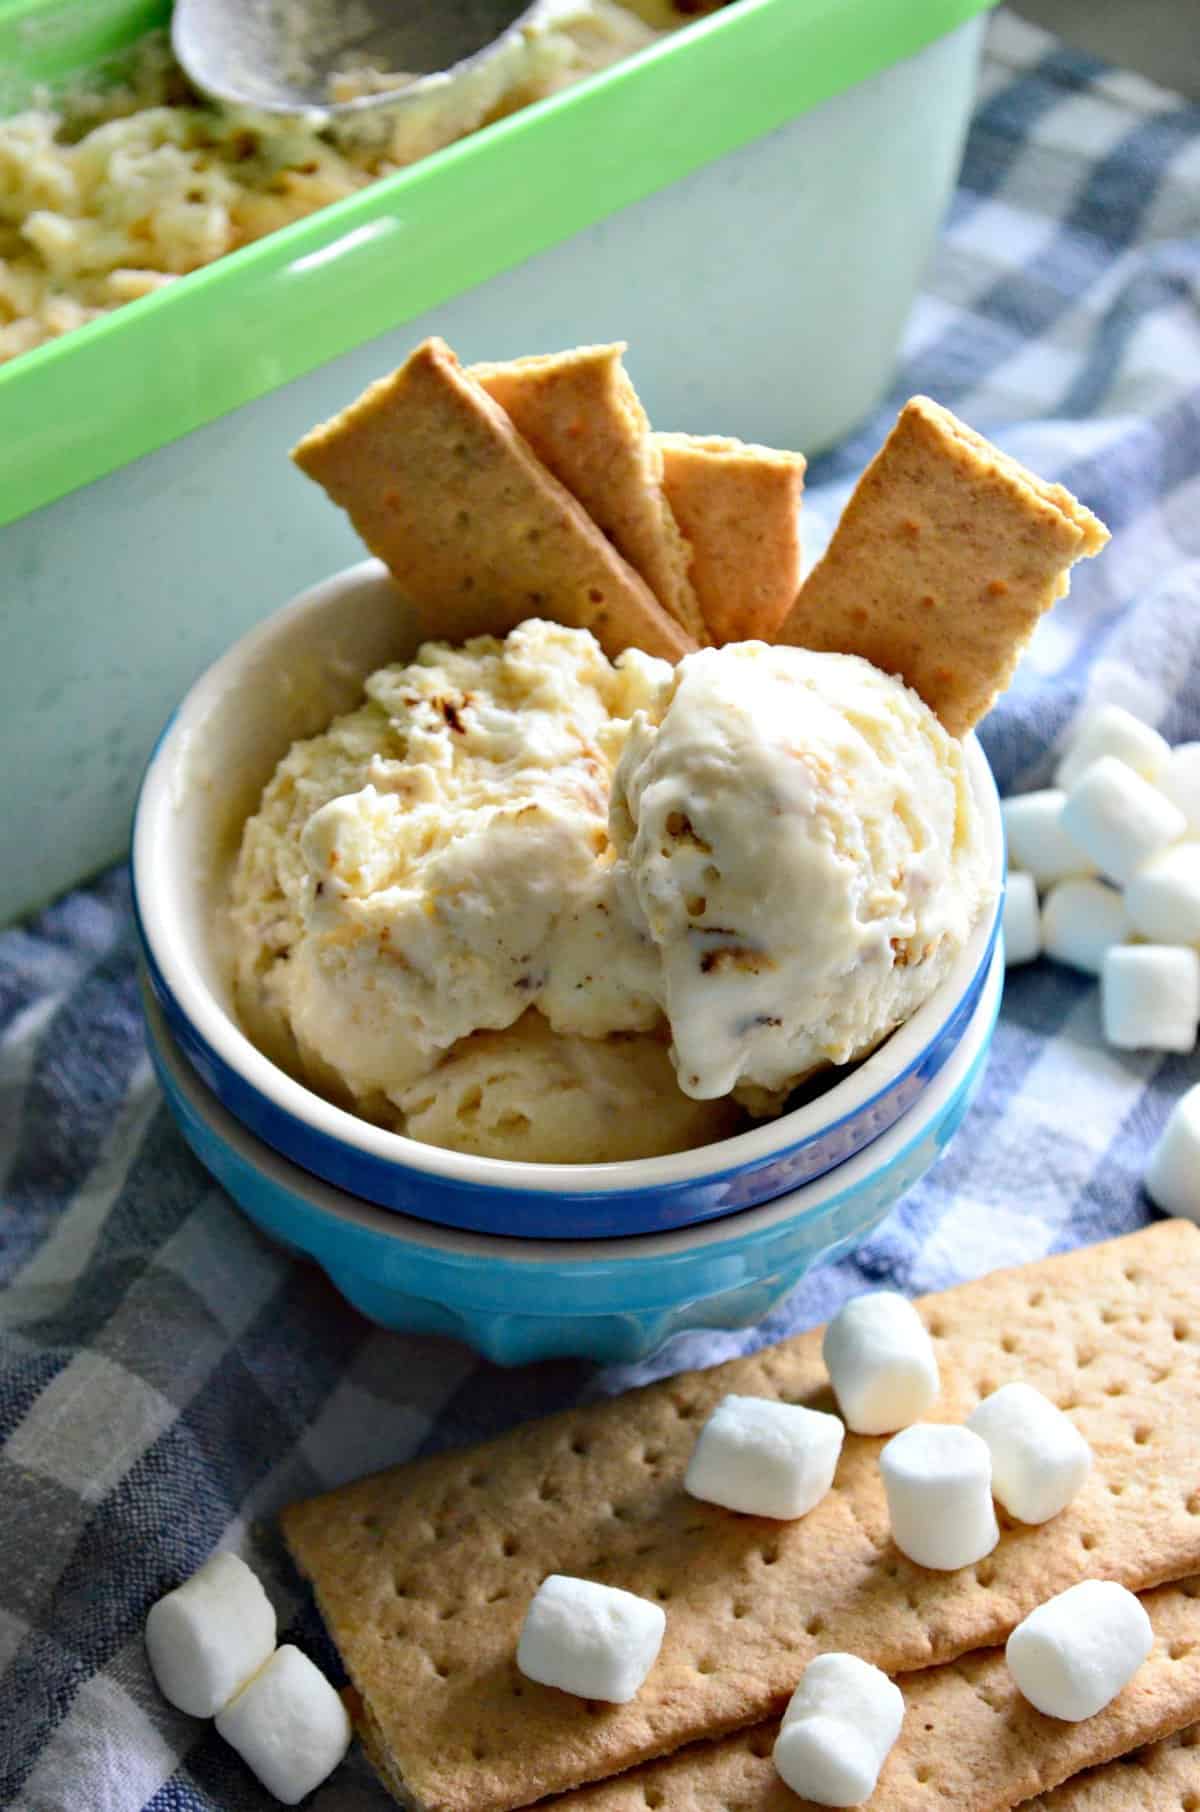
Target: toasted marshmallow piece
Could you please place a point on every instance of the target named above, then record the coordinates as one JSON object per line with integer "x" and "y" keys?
{"x": 938, "y": 1480}
{"x": 839, "y": 1725}
{"x": 1022, "y": 929}
{"x": 1173, "y": 1176}
{"x": 765, "y": 1458}
{"x": 1081, "y": 921}
{"x": 880, "y": 1362}
{"x": 288, "y": 1725}
{"x": 1040, "y": 1461}
{"x": 1180, "y": 781}
{"x": 1119, "y": 818}
{"x": 1163, "y": 898}
{"x": 1150, "y": 997}
{"x": 1037, "y": 841}
{"x": 208, "y": 1636}
{"x": 1073, "y": 1655}
{"x": 1112, "y": 730}
{"x": 594, "y": 1640}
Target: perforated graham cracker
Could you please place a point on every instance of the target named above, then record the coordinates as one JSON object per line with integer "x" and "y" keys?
{"x": 477, "y": 532}
{"x": 424, "y": 1573}
{"x": 969, "y": 1741}
{"x": 1165, "y": 1777}
{"x": 944, "y": 559}
{"x": 583, "y": 418}
{"x": 739, "y": 508}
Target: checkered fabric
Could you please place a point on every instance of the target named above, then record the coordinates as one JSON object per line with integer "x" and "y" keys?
{"x": 168, "y": 1380}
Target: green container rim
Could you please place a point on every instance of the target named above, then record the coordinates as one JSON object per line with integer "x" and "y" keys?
{"x": 123, "y": 386}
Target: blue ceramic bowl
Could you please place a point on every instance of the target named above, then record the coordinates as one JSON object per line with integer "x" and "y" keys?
{"x": 516, "y": 1300}
{"x": 286, "y": 680}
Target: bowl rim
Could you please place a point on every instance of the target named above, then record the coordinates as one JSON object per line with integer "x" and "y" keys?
{"x": 614, "y": 1251}
{"x": 157, "y": 804}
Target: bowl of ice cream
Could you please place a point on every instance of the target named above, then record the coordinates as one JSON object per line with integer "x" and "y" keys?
{"x": 517, "y": 1300}
{"x": 284, "y": 971}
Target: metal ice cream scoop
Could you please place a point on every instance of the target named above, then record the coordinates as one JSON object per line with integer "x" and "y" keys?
{"x": 277, "y": 56}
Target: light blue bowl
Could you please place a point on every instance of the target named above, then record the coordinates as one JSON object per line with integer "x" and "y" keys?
{"x": 286, "y": 680}
{"x": 516, "y": 1300}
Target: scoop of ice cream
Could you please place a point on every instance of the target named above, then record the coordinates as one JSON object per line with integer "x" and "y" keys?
{"x": 798, "y": 835}
{"x": 545, "y": 1097}
{"x": 439, "y": 860}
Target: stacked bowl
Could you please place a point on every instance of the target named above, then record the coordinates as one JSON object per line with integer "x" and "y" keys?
{"x": 521, "y": 1260}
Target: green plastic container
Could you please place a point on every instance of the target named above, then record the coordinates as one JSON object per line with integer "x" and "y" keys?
{"x": 749, "y": 204}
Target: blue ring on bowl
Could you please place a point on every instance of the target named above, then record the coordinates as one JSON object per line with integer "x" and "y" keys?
{"x": 492, "y": 1208}
{"x": 610, "y": 1300}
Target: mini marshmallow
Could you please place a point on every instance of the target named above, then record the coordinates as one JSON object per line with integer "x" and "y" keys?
{"x": 208, "y": 1636}
{"x": 838, "y": 1728}
{"x": 1112, "y": 730}
{"x": 1073, "y": 1655}
{"x": 594, "y": 1640}
{"x": 1037, "y": 841}
{"x": 881, "y": 1362}
{"x": 765, "y": 1458}
{"x": 1180, "y": 781}
{"x": 1040, "y": 1461}
{"x": 288, "y": 1725}
{"x": 1081, "y": 921}
{"x": 1163, "y": 898}
{"x": 1173, "y": 1176}
{"x": 1119, "y": 818}
{"x": 938, "y": 1480}
{"x": 1022, "y": 930}
{"x": 1150, "y": 997}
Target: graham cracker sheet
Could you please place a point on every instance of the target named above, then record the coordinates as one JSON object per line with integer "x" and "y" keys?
{"x": 942, "y": 563}
{"x": 1162, "y": 1777}
{"x": 424, "y": 1573}
{"x": 739, "y": 508}
{"x": 582, "y": 416}
{"x": 478, "y": 534}
{"x": 969, "y": 1741}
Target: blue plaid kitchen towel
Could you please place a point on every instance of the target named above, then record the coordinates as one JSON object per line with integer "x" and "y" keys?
{"x": 168, "y": 1380}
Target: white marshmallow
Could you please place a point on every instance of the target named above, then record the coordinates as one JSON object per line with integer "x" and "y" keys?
{"x": 1163, "y": 898}
{"x": 839, "y": 1725}
{"x": 1119, "y": 818}
{"x": 1173, "y": 1176}
{"x": 1180, "y": 781}
{"x": 1040, "y": 1461}
{"x": 594, "y": 1640}
{"x": 881, "y": 1362}
{"x": 765, "y": 1458}
{"x": 1112, "y": 730}
{"x": 208, "y": 1636}
{"x": 1022, "y": 931}
{"x": 1073, "y": 1654}
{"x": 1081, "y": 921}
{"x": 288, "y": 1725}
{"x": 1150, "y": 997}
{"x": 1037, "y": 841}
{"x": 938, "y": 1480}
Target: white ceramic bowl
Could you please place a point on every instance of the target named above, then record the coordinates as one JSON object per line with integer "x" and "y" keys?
{"x": 285, "y": 680}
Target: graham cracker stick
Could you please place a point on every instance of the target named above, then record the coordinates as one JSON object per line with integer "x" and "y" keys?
{"x": 739, "y": 507}
{"x": 581, "y": 415}
{"x": 479, "y": 535}
{"x": 944, "y": 559}
{"x": 968, "y": 1741}
{"x": 423, "y": 1573}
{"x": 1164, "y": 1777}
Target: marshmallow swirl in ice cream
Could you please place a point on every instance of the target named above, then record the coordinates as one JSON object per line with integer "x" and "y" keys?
{"x": 798, "y": 835}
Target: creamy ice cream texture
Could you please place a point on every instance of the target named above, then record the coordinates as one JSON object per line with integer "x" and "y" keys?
{"x": 740, "y": 869}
